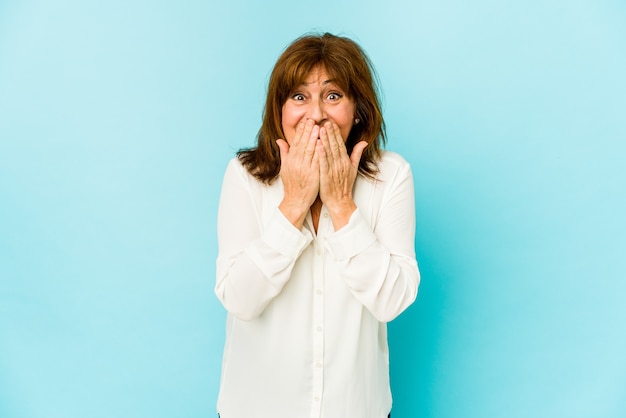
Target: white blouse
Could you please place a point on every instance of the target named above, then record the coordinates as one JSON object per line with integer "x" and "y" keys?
{"x": 306, "y": 332}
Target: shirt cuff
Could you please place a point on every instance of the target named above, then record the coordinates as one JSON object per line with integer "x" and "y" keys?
{"x": 352, "y": 239}
{"x": 285, "y": 238}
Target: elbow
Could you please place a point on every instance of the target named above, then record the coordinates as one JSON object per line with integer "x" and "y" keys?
{"x": 245, "y": 316}
{"x": 391, "y": 314}
{"x": 239, "y": 309}
{"x": 244, "y": 313}
{"x": 404, "y": 296}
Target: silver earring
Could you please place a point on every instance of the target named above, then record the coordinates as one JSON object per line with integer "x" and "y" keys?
{"x": 357, "y": 121}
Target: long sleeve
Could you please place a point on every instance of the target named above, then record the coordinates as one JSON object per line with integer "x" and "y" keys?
{"x": 377, "y": 260}
{"x": 254, "y": 262}
{"x": 306, "y": 332}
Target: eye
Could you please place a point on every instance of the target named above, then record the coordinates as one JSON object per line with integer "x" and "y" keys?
{"x": 297, "y": 96}
{"x": 334, "y": 96}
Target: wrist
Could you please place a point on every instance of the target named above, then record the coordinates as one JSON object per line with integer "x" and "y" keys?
{"x": 340, "y": 212}
{"x": 295, "y": 212}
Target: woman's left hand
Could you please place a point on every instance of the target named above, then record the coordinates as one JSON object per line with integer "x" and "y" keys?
{"x": 338, "y": 173}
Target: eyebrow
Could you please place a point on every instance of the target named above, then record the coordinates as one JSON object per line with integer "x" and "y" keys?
{"x": 329, "y": 81}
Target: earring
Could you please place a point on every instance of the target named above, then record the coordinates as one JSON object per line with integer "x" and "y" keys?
{"x": 357, "y": 121}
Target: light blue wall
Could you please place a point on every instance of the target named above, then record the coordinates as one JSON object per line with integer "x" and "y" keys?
{"x": 117, "y": 119}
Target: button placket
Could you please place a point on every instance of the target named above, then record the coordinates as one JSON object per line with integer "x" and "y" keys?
{"x": 317, "y": 360}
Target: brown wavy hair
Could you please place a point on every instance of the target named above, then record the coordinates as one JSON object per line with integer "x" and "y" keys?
{"x": 348, "y": 65}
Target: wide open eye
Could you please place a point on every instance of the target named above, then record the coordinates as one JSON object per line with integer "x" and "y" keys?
{"x": 298, "y": 97}
{"x": 333, "y": 96}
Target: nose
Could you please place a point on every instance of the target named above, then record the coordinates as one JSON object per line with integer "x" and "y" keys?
{"x": 317, "y": 112}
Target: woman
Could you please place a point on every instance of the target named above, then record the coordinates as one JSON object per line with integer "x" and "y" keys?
{"x": 316, "y": 232}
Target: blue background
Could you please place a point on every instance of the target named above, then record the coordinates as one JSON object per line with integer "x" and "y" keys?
{"x": 117, "y": 119}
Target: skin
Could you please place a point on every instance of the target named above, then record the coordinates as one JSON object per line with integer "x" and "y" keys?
{"x": 315, "y": 168}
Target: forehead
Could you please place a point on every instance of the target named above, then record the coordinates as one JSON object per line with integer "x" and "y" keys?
{"x": 318, "y": 75}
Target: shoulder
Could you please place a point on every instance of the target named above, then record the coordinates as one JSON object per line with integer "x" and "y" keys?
{"x": 235, "y": 165}
{"x": 236, "y": 168}
{"x": 237, "y": 173}
{"x": 392, "y": 165}
{"x": 393, "y": 159}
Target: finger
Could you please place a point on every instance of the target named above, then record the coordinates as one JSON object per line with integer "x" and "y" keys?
{"x": 303, "y": 132}
{"x": 357, "y": 152}
{"x": 322, "y": 157}
{"x": 298, "y": 135}
{"x": 309, "y": 149}
{"x": 337, "y": 143}
{"x": 325, "y": 142}
{"x": 317, "y": 156}
{"x": 283, "y": 146}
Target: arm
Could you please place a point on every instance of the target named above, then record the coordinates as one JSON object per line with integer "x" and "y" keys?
{"x": 378, "y": 262}
{"x": 252, "y": 265}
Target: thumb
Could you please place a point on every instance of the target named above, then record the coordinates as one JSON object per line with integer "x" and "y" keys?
{"x": 357, "y": 151}
{"x": 283, "y": 146}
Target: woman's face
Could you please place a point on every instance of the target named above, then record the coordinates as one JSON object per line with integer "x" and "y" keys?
{"x": 320, "y": 99}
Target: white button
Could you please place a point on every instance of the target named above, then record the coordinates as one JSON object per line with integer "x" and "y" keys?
{"x": 317, "y": 399}
{"x": 319, "y": 328}
{"x": 318, "y": 252}
{"x": 318, "y": 364}
{"x": 325, "y": 215}
{"x": 319, "y": 291}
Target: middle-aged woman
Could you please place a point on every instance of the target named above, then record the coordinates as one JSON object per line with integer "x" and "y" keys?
{"x": 316, "y": 232}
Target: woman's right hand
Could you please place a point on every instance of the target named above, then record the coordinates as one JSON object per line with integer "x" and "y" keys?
{"x": 299, "y": 172}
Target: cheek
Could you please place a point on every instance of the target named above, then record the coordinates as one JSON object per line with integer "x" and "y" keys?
{"x": 346, "y": 123}
{"x": 345, "y": 133}
{"x": 346, "y": 115}
{"x": 290, "y": 117}
{"x": 286, "y": 123}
